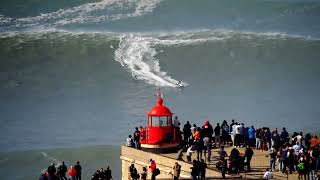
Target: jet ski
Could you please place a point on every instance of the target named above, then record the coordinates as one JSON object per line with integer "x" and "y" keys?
{"x": 179, "y": 84}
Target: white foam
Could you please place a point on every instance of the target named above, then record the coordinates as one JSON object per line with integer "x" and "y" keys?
{"x": 84, "y": 13}
{"x": 56, "y": 161}
{"x": 137, "y": 53}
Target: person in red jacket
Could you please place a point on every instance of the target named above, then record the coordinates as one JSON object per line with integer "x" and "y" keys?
{"x": 72, "y": 173}
{"x": 153, "y": 168}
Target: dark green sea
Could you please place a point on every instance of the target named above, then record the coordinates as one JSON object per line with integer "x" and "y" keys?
{"x": 77, "y": 76}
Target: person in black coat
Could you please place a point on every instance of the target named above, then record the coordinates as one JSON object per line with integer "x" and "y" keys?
{"x": 187, "y": 132}
{"x": 195, "y": 170}
{"x": 51, "y": 170}
{"x": 200, "y": 148}
{"x": 62, "y": 170}
{"x": 202, "y": 169}
{"x": 96, "y": 175}
{"x": 108, "y": 173}
{"x": 248, "y": 154}
{"x": 78, "y": 169}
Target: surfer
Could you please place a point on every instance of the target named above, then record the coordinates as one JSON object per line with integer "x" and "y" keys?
{"x": 179, "y": 84}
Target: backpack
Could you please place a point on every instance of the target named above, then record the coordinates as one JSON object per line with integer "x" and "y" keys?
{"x": 225, "y": 128}
{"x": 156, "y": 172}
{"x": 300, "y": 166}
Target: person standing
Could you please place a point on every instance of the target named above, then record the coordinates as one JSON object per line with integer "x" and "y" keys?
{"x": 153, "y": 168}
{"x": 208, "y": 146}
{"x": 176, "y": 122}
{"x": 232, "y": 124}
{"x": 187, "y": 133}
{"x": 62, "y": 170}
{"x": 273, "y": 157}
{"x": 131, "y": 173}
{"x": 144, "y": 173}
{"x": 225, "y": 132}
{"x": 299, "y": 138}
{"x": 176, "y": 171}
{"x": 284, "y": 136}
{"x": 248, "y": 154}
{"x": 200, "y": 148}
{"x": 72, "y": 173}
{"x": 237, "y": 132}
{"x": 78, "y": 169}
{"x": 134, "y": 174}
{"x": 258, "y": 138}
{"x": 251, "y": 137}
{"x": 217, "y": 135}
{"x": 195, "y": 170}
{"x": 202, "y": 169}
{"x": 51, "y": 170}
{"x": 108, "y": 173}
{"x": 232, "y": 132}
{"x": 283, "y": 158}
{"x": 136, "y": 138}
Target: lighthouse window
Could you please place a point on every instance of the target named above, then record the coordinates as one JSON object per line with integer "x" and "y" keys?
{"x": 159, "y": 121}
{"x": 155, "y": 121}
{"x": 169, "y": 120}
{"x": 163, "y": 121}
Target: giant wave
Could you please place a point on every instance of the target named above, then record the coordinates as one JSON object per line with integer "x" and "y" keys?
{"x": 137, "y": 52}
{"x": 86, "y": 13}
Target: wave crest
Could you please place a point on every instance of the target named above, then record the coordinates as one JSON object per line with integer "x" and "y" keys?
{"x": 86, "y": 13}
{"x": 137, "y": 55}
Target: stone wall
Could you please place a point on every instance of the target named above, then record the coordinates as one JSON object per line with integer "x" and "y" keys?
{"x": 140, "y": 159}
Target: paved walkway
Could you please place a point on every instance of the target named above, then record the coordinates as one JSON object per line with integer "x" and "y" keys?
{"x": 259, "y": 163}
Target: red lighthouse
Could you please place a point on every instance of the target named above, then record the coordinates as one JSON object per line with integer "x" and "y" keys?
{"x": 160, "y": 134}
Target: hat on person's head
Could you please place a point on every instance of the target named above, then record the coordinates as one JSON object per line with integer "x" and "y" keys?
{"x": 206, "y": 123}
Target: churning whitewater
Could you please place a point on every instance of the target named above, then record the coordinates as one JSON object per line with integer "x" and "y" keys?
{"x": 84, "y": 73}
{"x": 87, "y": 13}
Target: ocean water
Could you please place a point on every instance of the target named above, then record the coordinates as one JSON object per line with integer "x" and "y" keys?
{"x": 75, "y": 75}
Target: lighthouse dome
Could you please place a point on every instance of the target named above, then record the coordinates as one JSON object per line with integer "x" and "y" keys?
{"x": 159, "y": 109}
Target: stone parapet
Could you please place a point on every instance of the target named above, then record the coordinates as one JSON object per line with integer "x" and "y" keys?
{"x": 165, "y": 164}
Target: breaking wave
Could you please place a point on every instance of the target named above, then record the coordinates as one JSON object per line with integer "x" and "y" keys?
{"x": 137, "y": 52}
{"x": 87, "y": 13}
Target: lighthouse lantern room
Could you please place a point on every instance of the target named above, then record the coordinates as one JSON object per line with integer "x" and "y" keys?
{"x": 160, "y": 132}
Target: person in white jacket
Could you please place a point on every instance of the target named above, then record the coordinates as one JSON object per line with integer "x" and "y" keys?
{"x": 268, "y": 174}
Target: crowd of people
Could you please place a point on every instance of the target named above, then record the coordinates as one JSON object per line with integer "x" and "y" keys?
{"x": 61, "y": 172}
{"x": 133, "y": 172}
{"x": 297, "y": 153}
